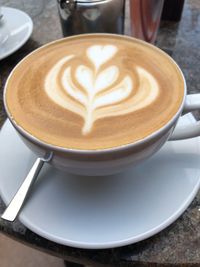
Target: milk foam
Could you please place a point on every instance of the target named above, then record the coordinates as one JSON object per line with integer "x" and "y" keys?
{"x": 101, "y": 92}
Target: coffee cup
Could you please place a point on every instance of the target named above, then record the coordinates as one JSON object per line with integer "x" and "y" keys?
{"x": 97, "y": 103}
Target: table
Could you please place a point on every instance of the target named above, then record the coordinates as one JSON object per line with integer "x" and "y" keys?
{"x": 179, "y": 244}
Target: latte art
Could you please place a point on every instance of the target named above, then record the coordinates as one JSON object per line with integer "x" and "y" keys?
{"x": 94, "y": 91}
{"x": 97, "y": 92}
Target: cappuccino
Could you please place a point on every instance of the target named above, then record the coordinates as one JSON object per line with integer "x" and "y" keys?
{"x": 94, "y": 91}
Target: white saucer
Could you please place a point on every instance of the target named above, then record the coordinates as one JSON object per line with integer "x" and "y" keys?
{"x": 17, "y": 27}
{"x": 102, "y": 212}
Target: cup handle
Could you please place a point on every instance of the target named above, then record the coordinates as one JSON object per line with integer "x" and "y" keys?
{"x": 184, "y": 132}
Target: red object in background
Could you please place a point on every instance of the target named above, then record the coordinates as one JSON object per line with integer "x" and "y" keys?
{"x": 172, "y": 10}
{"x": 145, "y": 18}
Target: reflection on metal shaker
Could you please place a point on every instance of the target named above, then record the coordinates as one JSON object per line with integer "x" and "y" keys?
{"x": 90, "y": 16}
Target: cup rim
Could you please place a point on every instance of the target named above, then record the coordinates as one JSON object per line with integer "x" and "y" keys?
{"x": 52, "y": 147}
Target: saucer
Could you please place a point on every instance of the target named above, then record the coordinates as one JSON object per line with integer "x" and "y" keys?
{"x": 17, "y": 27}
{"x": 102, "y": 212}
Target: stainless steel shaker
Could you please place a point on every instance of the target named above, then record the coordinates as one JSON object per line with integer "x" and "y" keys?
{"x": 90, "y": 16}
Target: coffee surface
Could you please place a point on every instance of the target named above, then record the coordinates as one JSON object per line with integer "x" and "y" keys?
{"x": 94, "y": 91}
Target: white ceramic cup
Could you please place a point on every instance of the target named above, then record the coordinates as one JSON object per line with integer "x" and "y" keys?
{"x": 116, "y": 159}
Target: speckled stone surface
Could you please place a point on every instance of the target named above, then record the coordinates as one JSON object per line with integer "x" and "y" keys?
{"x": 179, "y": 244}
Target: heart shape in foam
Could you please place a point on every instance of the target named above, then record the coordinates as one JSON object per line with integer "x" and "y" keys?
{"x": 100, "y": 54}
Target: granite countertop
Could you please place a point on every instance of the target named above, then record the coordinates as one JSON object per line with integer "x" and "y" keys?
{"x": 179, "y": 244}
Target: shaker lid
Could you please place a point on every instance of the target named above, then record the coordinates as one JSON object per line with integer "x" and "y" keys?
{"x": 66, "y": 4}
{"x": 88, "y": 1}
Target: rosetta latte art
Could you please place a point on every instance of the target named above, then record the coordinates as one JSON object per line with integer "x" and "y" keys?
{"x": 98, "y": 92}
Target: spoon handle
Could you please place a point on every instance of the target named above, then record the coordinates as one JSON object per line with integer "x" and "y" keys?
{"x": 16, "y": 203}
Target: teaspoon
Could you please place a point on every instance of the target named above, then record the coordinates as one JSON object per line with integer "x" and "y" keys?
{"x": 18, "y": 200}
